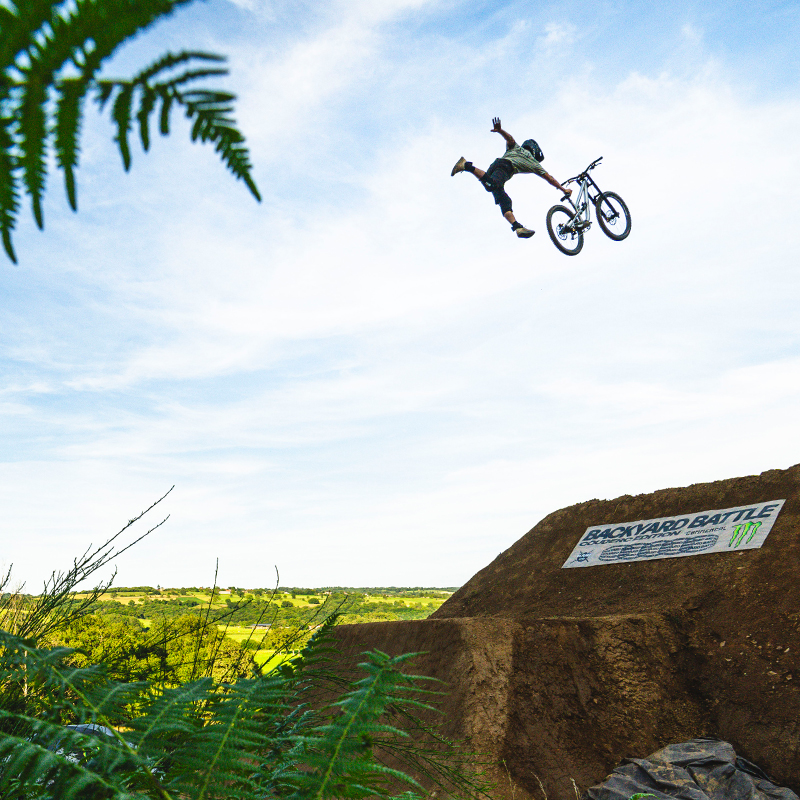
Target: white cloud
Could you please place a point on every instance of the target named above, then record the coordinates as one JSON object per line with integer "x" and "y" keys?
{"x": 557, "y": 33}
{"x": 369, "y": 365}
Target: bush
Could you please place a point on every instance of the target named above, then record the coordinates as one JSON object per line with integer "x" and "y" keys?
{"x": 250, "y": 739}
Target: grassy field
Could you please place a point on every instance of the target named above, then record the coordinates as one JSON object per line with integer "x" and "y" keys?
{"x": 282, "y": 610}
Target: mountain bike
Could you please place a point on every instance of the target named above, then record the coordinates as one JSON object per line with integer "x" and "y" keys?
{"x": 567, "y": 226}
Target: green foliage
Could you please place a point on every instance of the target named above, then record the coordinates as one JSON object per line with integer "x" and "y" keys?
{"x": 252, "y": 738}
{"x": 199, "y": 719}
{"x": 50, "y": 56}
{"x": 167, "y": 654}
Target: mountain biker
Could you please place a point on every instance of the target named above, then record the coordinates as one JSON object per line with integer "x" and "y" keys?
{"x": 516, "y": 159}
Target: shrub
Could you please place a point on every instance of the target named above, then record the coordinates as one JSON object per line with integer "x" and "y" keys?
{"x": 256, "y": 737}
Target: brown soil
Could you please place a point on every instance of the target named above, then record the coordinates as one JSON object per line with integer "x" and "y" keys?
{"x": 559, "y": 674}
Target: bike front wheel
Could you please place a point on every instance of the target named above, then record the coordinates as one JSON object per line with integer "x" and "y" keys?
{"x": 613, "y": 216}
{"x": 565, "y": 236}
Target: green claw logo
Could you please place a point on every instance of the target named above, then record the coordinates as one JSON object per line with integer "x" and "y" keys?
{"x": 740, "y": 531}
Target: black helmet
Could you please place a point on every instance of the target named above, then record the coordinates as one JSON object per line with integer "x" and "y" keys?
{"x": 533, "y": 148}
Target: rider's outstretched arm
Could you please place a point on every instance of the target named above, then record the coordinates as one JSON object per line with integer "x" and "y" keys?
{"x": 510, "y": 141}
{"x": 553, "y": 182}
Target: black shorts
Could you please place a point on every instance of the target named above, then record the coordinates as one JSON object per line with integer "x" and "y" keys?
{"x": 494, "y": 181}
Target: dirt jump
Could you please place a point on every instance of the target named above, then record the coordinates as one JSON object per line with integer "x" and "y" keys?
{"x": 558, "y": 674}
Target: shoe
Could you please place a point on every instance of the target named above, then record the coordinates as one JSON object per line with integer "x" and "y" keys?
{"x": 524, "y": 233}
{"x": 459, "y": 167}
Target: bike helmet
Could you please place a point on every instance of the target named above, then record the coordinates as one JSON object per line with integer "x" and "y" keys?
{"x": 533, "y": 148}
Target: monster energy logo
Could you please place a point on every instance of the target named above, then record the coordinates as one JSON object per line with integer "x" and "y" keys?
{"x": 742, "y": 530}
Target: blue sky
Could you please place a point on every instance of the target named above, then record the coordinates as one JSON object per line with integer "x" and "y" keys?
{"x": 366, "y": 379}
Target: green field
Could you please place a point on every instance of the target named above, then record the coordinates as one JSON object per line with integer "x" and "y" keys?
{"x": 278, "y": 612}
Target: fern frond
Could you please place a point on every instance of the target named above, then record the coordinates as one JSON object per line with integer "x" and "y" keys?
{"x": 211, "y": 124}
{"x": 171, "y": 60}
{"x": 195, "y": 74}
{"x": 146, "y": 106}
{"x": 200, "y": 741}
{"x": 9, "y": 187}
{"x": 40, "y": 42}
{"x": 209, "y": 109}
{"x": 225, "y": 753}
{"x": 19, "y": 27}
{"x": 121, "y": 114}
{"x": 167, "y": 99}
{"x": 338, "y": 760}
{"x": 32, "y": 127}
{"x": 68, "y": 124}
{"x": 87, "y": 696}
{"x": 70, "y": 763}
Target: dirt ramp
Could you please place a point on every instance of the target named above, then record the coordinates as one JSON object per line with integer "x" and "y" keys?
{"x": 526, "y": 581}
{"x": 557, "y": 700}
{"x": 558, "y": 674}
{"x": 587, "y": 692}
{"x": 474, "y": 657}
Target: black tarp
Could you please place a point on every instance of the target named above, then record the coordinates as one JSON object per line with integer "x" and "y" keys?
{"x": 702, "y": 769}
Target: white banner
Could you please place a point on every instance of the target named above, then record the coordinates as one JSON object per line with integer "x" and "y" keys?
{"x": 728, "y": 530}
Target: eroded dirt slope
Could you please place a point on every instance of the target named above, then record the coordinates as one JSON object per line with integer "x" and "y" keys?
{"x": 559, "y": 674}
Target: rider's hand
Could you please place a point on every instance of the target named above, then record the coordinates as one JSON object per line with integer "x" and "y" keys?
{"x": 497, "y": 127}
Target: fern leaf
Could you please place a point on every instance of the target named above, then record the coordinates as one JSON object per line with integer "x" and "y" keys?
{"x": 39, "y": 39}
{"x": 9, "y": 191}
{"x": 338, "y": 757}
{"x": 90, "y": 697}
{"x": 242, "y": 741}
{"x": 33, "y": 142}
{"x": 106, "y": 25}
{"x": 211, "y": 124}
{"x": 167, "y": 720}
{"x": 167, "y": 99}
{"x": 62, "y": 759}
{"x": 68, "y": 123}
{"x": 224, "y": 753}
{"x": 19, "y": 26}
{"x": 195, "y": 74}
{"x": 149, "y": 93}
{"x": 104, "y": 90}
{"x": 146, "y": 106}
{"x": 171, "y": 60}
{"x": 121, "y": 113}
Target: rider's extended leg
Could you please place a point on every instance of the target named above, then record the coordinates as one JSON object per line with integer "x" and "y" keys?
{"x": 495, "y": 185}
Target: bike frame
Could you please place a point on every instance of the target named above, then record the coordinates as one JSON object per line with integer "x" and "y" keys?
{"x": 582, "y": 218}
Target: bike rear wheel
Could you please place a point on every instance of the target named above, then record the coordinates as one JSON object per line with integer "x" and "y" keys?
{"x": 565, "y": 237}
{"x": 613, "y": 216}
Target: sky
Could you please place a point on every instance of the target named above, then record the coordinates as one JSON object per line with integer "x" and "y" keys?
{"x": 366, "y": 379}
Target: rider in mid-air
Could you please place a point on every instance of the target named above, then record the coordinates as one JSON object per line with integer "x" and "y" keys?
{"x": 516, "y": 159}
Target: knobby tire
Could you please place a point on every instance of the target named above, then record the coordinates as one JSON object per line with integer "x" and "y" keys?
{"x": 567, "y": 240}
{"x": 613, "y": 216}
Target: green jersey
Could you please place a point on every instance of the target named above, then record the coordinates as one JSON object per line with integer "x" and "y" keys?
{"x": 522, "y": 160}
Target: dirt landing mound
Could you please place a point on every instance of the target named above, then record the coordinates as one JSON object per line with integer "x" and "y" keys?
{"x": 562, "y": 673}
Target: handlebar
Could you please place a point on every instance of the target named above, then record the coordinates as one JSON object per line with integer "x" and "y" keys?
{"x": 581, "y": 174}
